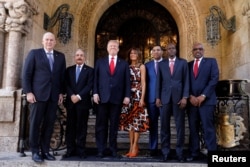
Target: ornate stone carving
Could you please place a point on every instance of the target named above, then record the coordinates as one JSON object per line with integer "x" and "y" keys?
{"x": 33, "y": 4}
{"x": 19, "y": 18}
{"x": 188, "y": 12}
{"x": 86, "y": 13}
{"x": 2, "y": 17}
{"x": 246, "y": 10}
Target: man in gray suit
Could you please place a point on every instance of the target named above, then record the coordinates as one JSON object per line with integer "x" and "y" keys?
{"x": 172, "y": 91}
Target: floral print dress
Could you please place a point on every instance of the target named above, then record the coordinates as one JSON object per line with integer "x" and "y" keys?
{"x": 132, "y": 116}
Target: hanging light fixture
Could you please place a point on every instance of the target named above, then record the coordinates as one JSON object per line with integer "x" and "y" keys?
{"x": 213, "y": 25}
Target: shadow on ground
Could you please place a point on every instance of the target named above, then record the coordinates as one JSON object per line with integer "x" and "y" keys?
{"x": 143, "y": 156}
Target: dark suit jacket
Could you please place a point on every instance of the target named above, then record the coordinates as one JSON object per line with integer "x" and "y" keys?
{"x": 172, "y": 87}
{"x": 83, "y": 86}
{"x": 151, "y": 81}
{"x": 110, "y": 88}
{"x": 206, "y": 80}
{"x": 38, "y": 78}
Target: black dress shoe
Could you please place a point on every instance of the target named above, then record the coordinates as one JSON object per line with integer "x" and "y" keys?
{"x": 100, "y": 155}
{"x": 37, "y": 158}
{"x": 48, "y": 157}
{"x": 192, "y": 158}
{"x": 115, "y": 155}
{"x": 82, "y": 156}
{"x": 165, "y": 158}
{"x": 181, "y": 159}
{"x": 68, "y": 154}
{"x": 153, "y": 153}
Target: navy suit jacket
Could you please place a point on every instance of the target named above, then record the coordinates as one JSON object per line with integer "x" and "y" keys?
{"x": 172, "y": 87}
{"x": 38, "y": 78}
{"x": 206, "y": 80}
{"x": 110, "y": 88}
{"x": 82, "y": 87}
{"x": 151, "y": 81}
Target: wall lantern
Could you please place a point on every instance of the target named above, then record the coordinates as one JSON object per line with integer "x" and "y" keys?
{"x": 213, "y": 25}
{"x": 65, "y": 21}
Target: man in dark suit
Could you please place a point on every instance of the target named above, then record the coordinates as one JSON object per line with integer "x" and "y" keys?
{"x": 172, "y": 91}
{"x": 111, "y": 90}
{"x": 204, "y": 75}
{"x": 154, "y": 111}
{"x": 79, "y": 81}
{"x": 43, "y": 82}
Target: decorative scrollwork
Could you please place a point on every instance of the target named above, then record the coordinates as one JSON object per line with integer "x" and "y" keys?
{"x": 212, "y": 24}
{"x": 65, "y": 22}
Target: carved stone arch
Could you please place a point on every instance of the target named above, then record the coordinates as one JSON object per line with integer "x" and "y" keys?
{"x": 185, "y": 14}
{"x": 183, "y": 11}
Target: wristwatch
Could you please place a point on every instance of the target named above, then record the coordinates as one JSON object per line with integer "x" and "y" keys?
{"x": 203, "y": 95}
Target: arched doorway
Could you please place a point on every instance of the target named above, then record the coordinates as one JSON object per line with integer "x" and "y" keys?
{"x": 139, "y": 23}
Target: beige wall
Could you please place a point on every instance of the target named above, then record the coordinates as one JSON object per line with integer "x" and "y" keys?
{"x": 231, "y": 52}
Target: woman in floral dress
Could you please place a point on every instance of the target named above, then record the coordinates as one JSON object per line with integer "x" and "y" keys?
{"x": 134, "y": 118}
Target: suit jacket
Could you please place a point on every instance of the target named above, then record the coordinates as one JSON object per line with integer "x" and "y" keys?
{"x": 206, "y": 80}
{"x": 82, "y": 87}
{"x": 151, "y": 81}
{"x": 110, "y": 88}
{"x": 39, "y": 79}
{"x": 172, "y": 87}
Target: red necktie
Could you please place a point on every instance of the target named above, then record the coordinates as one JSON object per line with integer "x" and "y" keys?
{"x": 171, "y": 67}
{"x": 112, "y": 66}
{"x": 196, "y": 67}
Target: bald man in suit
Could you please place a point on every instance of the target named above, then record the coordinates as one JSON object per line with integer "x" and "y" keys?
{"x": 202, "y": 101}
{"x": 43, "y": 83}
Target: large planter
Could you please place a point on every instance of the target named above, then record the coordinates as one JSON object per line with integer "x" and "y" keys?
{"x": 232, "y": 115}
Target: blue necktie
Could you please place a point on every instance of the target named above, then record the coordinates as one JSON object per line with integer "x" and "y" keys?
{"x": 51, "y": 60}
{"x": 78, "y": 70}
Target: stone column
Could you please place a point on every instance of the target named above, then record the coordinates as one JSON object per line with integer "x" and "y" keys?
{"x": 2, "y": 21}
{"x": 246, "y": 12}
{"x": 18, "y": 22}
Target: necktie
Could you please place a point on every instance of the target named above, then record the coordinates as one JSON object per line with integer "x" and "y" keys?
{"x": 196, "y": 67}
{"x": 112, "y": 66}
{"x": 156, "y": 66}
{"x": 51, "y": 60}
{"x": 171, "y": 67}
{"x": 78, "y": 70}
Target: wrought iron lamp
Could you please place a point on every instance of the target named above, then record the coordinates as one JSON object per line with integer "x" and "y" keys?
{"x": 213, "y": 25}
{"x": 65, "y": 21}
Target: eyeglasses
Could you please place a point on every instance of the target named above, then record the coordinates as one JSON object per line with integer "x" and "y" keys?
{"x": 195, "y": 49}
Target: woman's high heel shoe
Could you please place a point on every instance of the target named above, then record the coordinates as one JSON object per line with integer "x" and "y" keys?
{"x": 128, "y": 154}
{"x": 132, "y": 155}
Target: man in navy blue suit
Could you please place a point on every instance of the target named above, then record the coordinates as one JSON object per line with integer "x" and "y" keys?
{"x": 204, "y": 75}
{"x": 154, "y": 111}
{"x": 79, "y": 81}
{"x": 43, "y": 82}
{"x": 172, "y": 91}
{"x": 111, "y": 90}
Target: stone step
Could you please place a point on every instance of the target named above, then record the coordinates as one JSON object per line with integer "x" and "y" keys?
{"x": 12, "y": 159}
{"x": 122, "y": 138}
